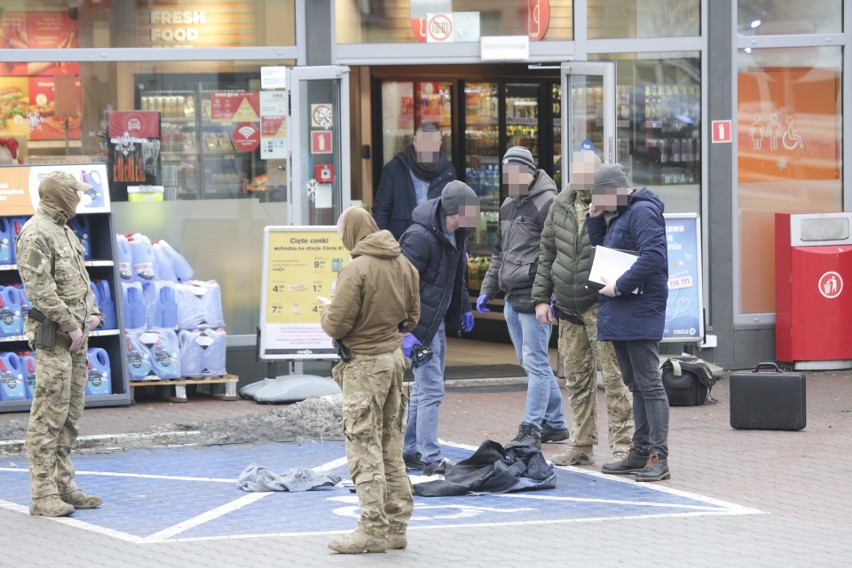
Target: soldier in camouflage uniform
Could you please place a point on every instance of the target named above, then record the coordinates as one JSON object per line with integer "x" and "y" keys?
{"x": 563, "y": 271}
{"x": 50, "y": 262}
{"x": 377, "y": 299}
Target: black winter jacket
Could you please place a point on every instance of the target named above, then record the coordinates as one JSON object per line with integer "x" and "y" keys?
{"x": 442, "y": 268}
{"x": 395, "y": 198}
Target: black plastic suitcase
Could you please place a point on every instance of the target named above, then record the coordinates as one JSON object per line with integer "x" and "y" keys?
{"x": 773, "y": 400}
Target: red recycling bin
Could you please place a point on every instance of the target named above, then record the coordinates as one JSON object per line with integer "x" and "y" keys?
{"x": 813, "y": 289}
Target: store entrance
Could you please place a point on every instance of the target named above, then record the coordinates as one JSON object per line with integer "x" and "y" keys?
{"x": 483, "y": 110}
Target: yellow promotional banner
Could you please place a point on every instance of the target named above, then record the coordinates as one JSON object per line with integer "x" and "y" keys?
{"x": 300, "y": 263}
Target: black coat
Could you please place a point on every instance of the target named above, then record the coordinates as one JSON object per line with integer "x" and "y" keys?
{"x": 442, "y": 268}
{"x": 395, "y": 198}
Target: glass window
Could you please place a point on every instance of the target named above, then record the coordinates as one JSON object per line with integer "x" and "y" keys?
{"x": 406, "y": 105}
{"x": 400, "y": 21}
{"x": 789, "y": 157}
{"x": 658, "y": 97}
{"x": 641, "y": 18}
{"x": 202, "y": 109}
{"x": 767, "y": 17}
{"x": 155, "y": 23}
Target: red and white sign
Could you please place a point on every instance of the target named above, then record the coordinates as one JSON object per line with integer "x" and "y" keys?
{"x": 722, "y": 131}
{"x": 246, "y": 137}
{"x": 321, "y": 116}
{"x": 830, "y": 285}
{"x": 235, "y": 106}
{"x": 137, "y": 124}
{"x": 439, "y": 28}
{"x": 538, "y": 18}
{"x": 321, "y": 142}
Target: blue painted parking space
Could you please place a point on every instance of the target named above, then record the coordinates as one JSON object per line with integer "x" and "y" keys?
{"x": 182, "y": 493}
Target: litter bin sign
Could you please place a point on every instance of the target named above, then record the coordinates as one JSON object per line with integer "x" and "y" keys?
{"x": 813, "y": 289}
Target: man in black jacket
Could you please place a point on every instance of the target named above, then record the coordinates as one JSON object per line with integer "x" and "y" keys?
{"x": 416, "y": 174}
{"x": 435, "y": 245}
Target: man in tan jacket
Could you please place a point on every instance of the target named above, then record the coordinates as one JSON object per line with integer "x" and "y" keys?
{"x": 377, "y": 300}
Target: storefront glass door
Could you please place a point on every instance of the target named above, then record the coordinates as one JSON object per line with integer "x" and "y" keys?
{"x": 318, "y": 139}
{"x": 588, "y": 105}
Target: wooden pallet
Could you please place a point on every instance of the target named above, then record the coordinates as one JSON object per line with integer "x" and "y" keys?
{"x": 179, "y": 385}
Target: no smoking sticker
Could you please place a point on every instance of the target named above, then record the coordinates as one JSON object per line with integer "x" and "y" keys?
{"x": 439, "y": 28}
{"x": 321, "y": 116}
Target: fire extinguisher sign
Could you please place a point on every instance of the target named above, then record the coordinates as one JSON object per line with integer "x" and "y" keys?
{"x": 321, "y": 142}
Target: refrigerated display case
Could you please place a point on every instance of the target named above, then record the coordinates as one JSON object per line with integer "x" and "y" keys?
{"x": 198, "y": 157}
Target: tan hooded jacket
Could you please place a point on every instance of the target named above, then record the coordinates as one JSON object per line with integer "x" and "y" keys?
{"x": 376, "y": 292}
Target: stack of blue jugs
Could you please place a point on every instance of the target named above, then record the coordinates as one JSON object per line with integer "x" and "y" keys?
{"x": 6, "y": 251}
{"x": 103, "y": 299}
{"x": 80, "y": 226}
{"x": 149, "y": 273}
{"x": 12, "y": 385}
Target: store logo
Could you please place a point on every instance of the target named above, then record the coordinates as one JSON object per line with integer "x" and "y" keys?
{"x": 246, "y": 137}
{"x": 134, "y": 124}
{"x": 830, "y": 285}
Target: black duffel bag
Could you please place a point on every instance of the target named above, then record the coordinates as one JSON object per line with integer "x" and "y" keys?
{"x": 687, "y": 381}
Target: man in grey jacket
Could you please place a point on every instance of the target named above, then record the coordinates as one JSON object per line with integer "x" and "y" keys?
{"x": 563, "y": 272}
{"x": 512, "y": 271}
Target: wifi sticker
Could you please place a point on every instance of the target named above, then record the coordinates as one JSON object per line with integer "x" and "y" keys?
{"x": 246, "y": 137}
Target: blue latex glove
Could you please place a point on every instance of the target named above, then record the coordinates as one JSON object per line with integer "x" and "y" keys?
{"x": 467, "y": 322}
{"x": 480, "y": 303}
{"x": 553, "y": 308}
{"x": 408, "y": 343}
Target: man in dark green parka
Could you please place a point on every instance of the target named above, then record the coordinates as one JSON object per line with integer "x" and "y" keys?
{"x": 563, "y": 271}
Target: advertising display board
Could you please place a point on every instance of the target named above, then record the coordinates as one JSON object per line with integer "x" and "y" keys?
{"x": 299, "y": 264}
{"x": 19, "y": 188}
{"x": 685, "y": 306}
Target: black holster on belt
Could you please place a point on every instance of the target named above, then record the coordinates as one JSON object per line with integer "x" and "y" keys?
{"x": 45, "y": 337}
{"x": 343, "y": 351}
{"x": 573, "y": 318}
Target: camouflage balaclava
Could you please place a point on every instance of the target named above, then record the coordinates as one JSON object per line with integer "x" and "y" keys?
{"x": 354, "y": 225}
{"x": 58, "y": 190}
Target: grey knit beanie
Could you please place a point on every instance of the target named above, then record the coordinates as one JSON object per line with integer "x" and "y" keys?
{"x": 455, "y": 194}
{"x": 609, "y": 176}
{"x": 519, "y": 155}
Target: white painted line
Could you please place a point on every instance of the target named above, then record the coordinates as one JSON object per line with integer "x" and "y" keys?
{"x": 605, "y": 501}
{"x": 205, "y": 517}
{"x": 71, "y": 522}
{"x": 136, "y": 475}
{"x": 334, "y": 464}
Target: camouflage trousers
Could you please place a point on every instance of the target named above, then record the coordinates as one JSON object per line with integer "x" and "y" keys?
{"x": 57, "y": 406}
{"x": 581, "y": 356}
{"x": 373, "y": 424}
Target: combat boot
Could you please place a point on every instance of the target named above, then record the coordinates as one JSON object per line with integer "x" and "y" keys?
{"x": 632, "y": 463}
{"x": 397, "y": 541}
{"x": 578, "y": 455}
{"x": 81, "y": 500}
{"x": 50, "y": 506}
{"x": 358, "y": 542}
{"x": 657, "y": 469}
{"x": 527, "y": 436}
{"x": 551, "y": 434}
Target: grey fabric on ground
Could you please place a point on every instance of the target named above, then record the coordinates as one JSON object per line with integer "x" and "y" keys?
{"x": 257, "y": 478}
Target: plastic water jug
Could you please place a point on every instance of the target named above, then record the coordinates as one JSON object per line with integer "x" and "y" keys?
{"x": 134, "y": 305}
{"x": 213, "y": 355}
{"x": 11, "y": 378}
{"x": 29, "y": 369}
{"x": 166, "y": 314}
{"x": 105, "y": 304}
{"x": 202, "y": 353}
{"x": 80, "y": 226}
{"x": 181, "y": 267}
{"x": 95, "y": 196}
{"x": 11, "y": 323}
{"x": 17, "y": 225}
{"x": 138, "y": 365}
{"x": 100, "y": 375}
{"x": 142, "y": 255}
{"x": 164, "y": 263}
{"x": 5, "y": 241}
{"x": 162, "y": 345}
{"x": 25, "y": 304}
{"x": 125, "y": 259}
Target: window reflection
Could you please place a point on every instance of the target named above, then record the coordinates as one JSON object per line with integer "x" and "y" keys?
{"x": 770, "y": 17}
{"x": 634, "y": 18}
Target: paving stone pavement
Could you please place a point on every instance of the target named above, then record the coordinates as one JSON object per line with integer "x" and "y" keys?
{"x": 799, "y": 480}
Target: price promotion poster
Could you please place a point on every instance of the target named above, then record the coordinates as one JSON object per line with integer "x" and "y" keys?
{"x": 685, "y": 307}
{"x": 299, "y": 264}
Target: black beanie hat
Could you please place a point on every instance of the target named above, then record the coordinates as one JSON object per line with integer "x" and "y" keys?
{"x": 454, "y": 195}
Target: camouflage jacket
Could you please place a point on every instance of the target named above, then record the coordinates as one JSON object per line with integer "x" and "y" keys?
{"x": 50, "y": 262}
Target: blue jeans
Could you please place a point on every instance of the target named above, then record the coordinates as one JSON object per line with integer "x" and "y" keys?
{"x": 531, "y": 338}
{"x": 639, "y": 362}
{"x": 421, "y": 430}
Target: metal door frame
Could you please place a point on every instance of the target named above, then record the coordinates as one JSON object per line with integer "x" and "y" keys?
{"x": 296, "y": 76}
{"x": 605, "y": 70}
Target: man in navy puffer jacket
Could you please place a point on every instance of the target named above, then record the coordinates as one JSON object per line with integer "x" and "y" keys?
{"x": 634, "y": 321}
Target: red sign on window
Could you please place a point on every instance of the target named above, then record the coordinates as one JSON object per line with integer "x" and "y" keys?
{"x": 722, "y": 131}
{"x": 321, "y": 142}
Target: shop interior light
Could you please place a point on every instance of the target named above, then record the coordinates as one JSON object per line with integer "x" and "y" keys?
{"x": 755, "y": 24}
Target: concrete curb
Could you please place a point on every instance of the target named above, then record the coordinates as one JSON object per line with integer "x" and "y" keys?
{"x": 115, "y": 441}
